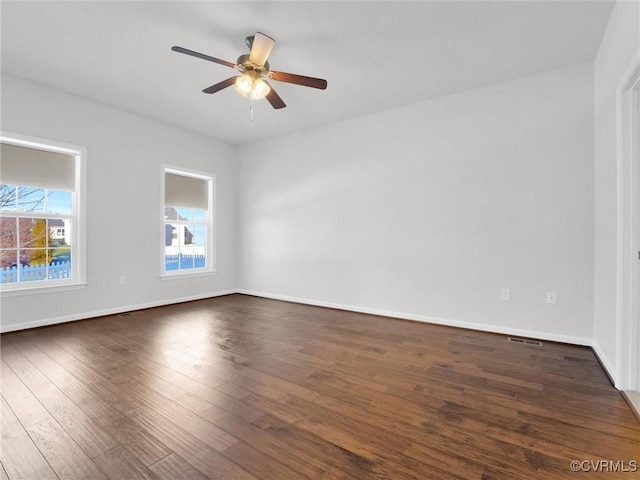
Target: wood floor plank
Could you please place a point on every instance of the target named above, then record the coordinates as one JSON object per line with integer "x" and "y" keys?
{"x": 54, "y": 352}
{"x": 459, "y": 466}
{"x": 239, "y": 387}
{"x": 259, "y": 464}
{"x": 84, "y": 431}
{"x": 197, "y": 426}
{"x": 233, "y": 390}
{"x": 22, "y": 367}
{"x": 345, "y": 431}
{"x": 330, "y": 458}
{"x": 145, "y": 446}
{"x": 298, "y": 455}
{"x": 24, "y": 404}
{"x": 158, "y": 382}
{"x": 119, "y": 397}
{"x": 172, "y": 467}
{"x": 19, "y": 455}
{"x": 45, "y": 474}
{"x": 201, "y": 456}
{"x": 64, "y": 456}
{"x": 118, "y": 464}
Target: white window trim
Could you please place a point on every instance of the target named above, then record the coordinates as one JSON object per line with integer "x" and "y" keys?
{"x": 210, "y": 269}
{"x": 78, "y": 233}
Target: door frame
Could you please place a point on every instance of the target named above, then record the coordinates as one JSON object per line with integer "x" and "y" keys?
{"x": 628, "y": 219}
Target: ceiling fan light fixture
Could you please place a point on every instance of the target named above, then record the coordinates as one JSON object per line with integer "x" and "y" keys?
{"x": 250, "y": 85}
{"x": 260, "y": 89}
{"x": 244, "y": 85}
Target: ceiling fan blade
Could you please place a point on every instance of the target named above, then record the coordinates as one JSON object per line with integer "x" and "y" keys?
{"x": 299, "y": 80}
{"x": 203, "y": 56}
{"x": 274, "y": 99}
{"x": 261, "y": 48}
{"x": 220, "y": 85}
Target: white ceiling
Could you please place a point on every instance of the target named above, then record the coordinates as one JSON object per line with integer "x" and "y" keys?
{"x": 374, "y": 55}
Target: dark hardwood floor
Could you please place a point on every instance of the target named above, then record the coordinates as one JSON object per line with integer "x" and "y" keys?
{"x": 239, "y": 387}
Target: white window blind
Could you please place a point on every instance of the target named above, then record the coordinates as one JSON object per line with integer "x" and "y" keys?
{"x": 184, "y": 191}
{"x": 37, "y": 168}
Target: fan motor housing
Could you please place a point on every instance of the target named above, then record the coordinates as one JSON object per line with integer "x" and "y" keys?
{"x": 244, "y": 65}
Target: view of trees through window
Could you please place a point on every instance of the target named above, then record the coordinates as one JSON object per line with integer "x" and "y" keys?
{"x": 35, "y": 234}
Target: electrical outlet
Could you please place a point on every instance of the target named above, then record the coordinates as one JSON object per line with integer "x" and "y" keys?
{"x": 505, "y": 294}
{"x": 123, "y": 280}
{"x": 552, "y": 298}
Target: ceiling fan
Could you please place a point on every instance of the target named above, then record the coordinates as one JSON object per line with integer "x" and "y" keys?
{"x": 254, "y": 72}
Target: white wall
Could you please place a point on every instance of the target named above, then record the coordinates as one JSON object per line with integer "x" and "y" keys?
{"x": 424, "y": 211}
{"x": 427, "y": 211}
{"x": 125, "y": 154}
{"x": 619, "y": 45}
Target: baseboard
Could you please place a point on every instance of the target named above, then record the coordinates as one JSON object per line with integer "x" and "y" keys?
{"x": 635, "y": 408}
{"x": 109, "y": 311}
{"x": 540, "y": 335}
{"x": 606, "y": 364}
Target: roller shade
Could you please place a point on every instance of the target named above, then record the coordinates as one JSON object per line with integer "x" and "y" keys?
{"x": 183, "y": 191}
{"x": 31, "y": 167}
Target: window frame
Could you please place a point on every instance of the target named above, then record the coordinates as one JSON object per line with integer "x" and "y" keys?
{"x": 210, "y": 247}
{"x": 78, "y": 218}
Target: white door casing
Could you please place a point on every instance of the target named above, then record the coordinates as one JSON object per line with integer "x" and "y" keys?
{"x": 628, "y": 257}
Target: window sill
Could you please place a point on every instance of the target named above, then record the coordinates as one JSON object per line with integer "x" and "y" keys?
{"x": 177, "y": 276}
{"x": 18, "y": 292}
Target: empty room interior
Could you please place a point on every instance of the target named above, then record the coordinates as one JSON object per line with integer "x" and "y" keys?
{"x": 320, "y": 240}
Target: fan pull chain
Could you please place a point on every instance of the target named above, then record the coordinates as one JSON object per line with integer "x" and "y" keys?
{"x": 251, "y": 112}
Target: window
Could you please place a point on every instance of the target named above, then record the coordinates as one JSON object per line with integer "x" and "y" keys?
{"x": 41, "y": 229}
{"x": 187, "y": 225}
